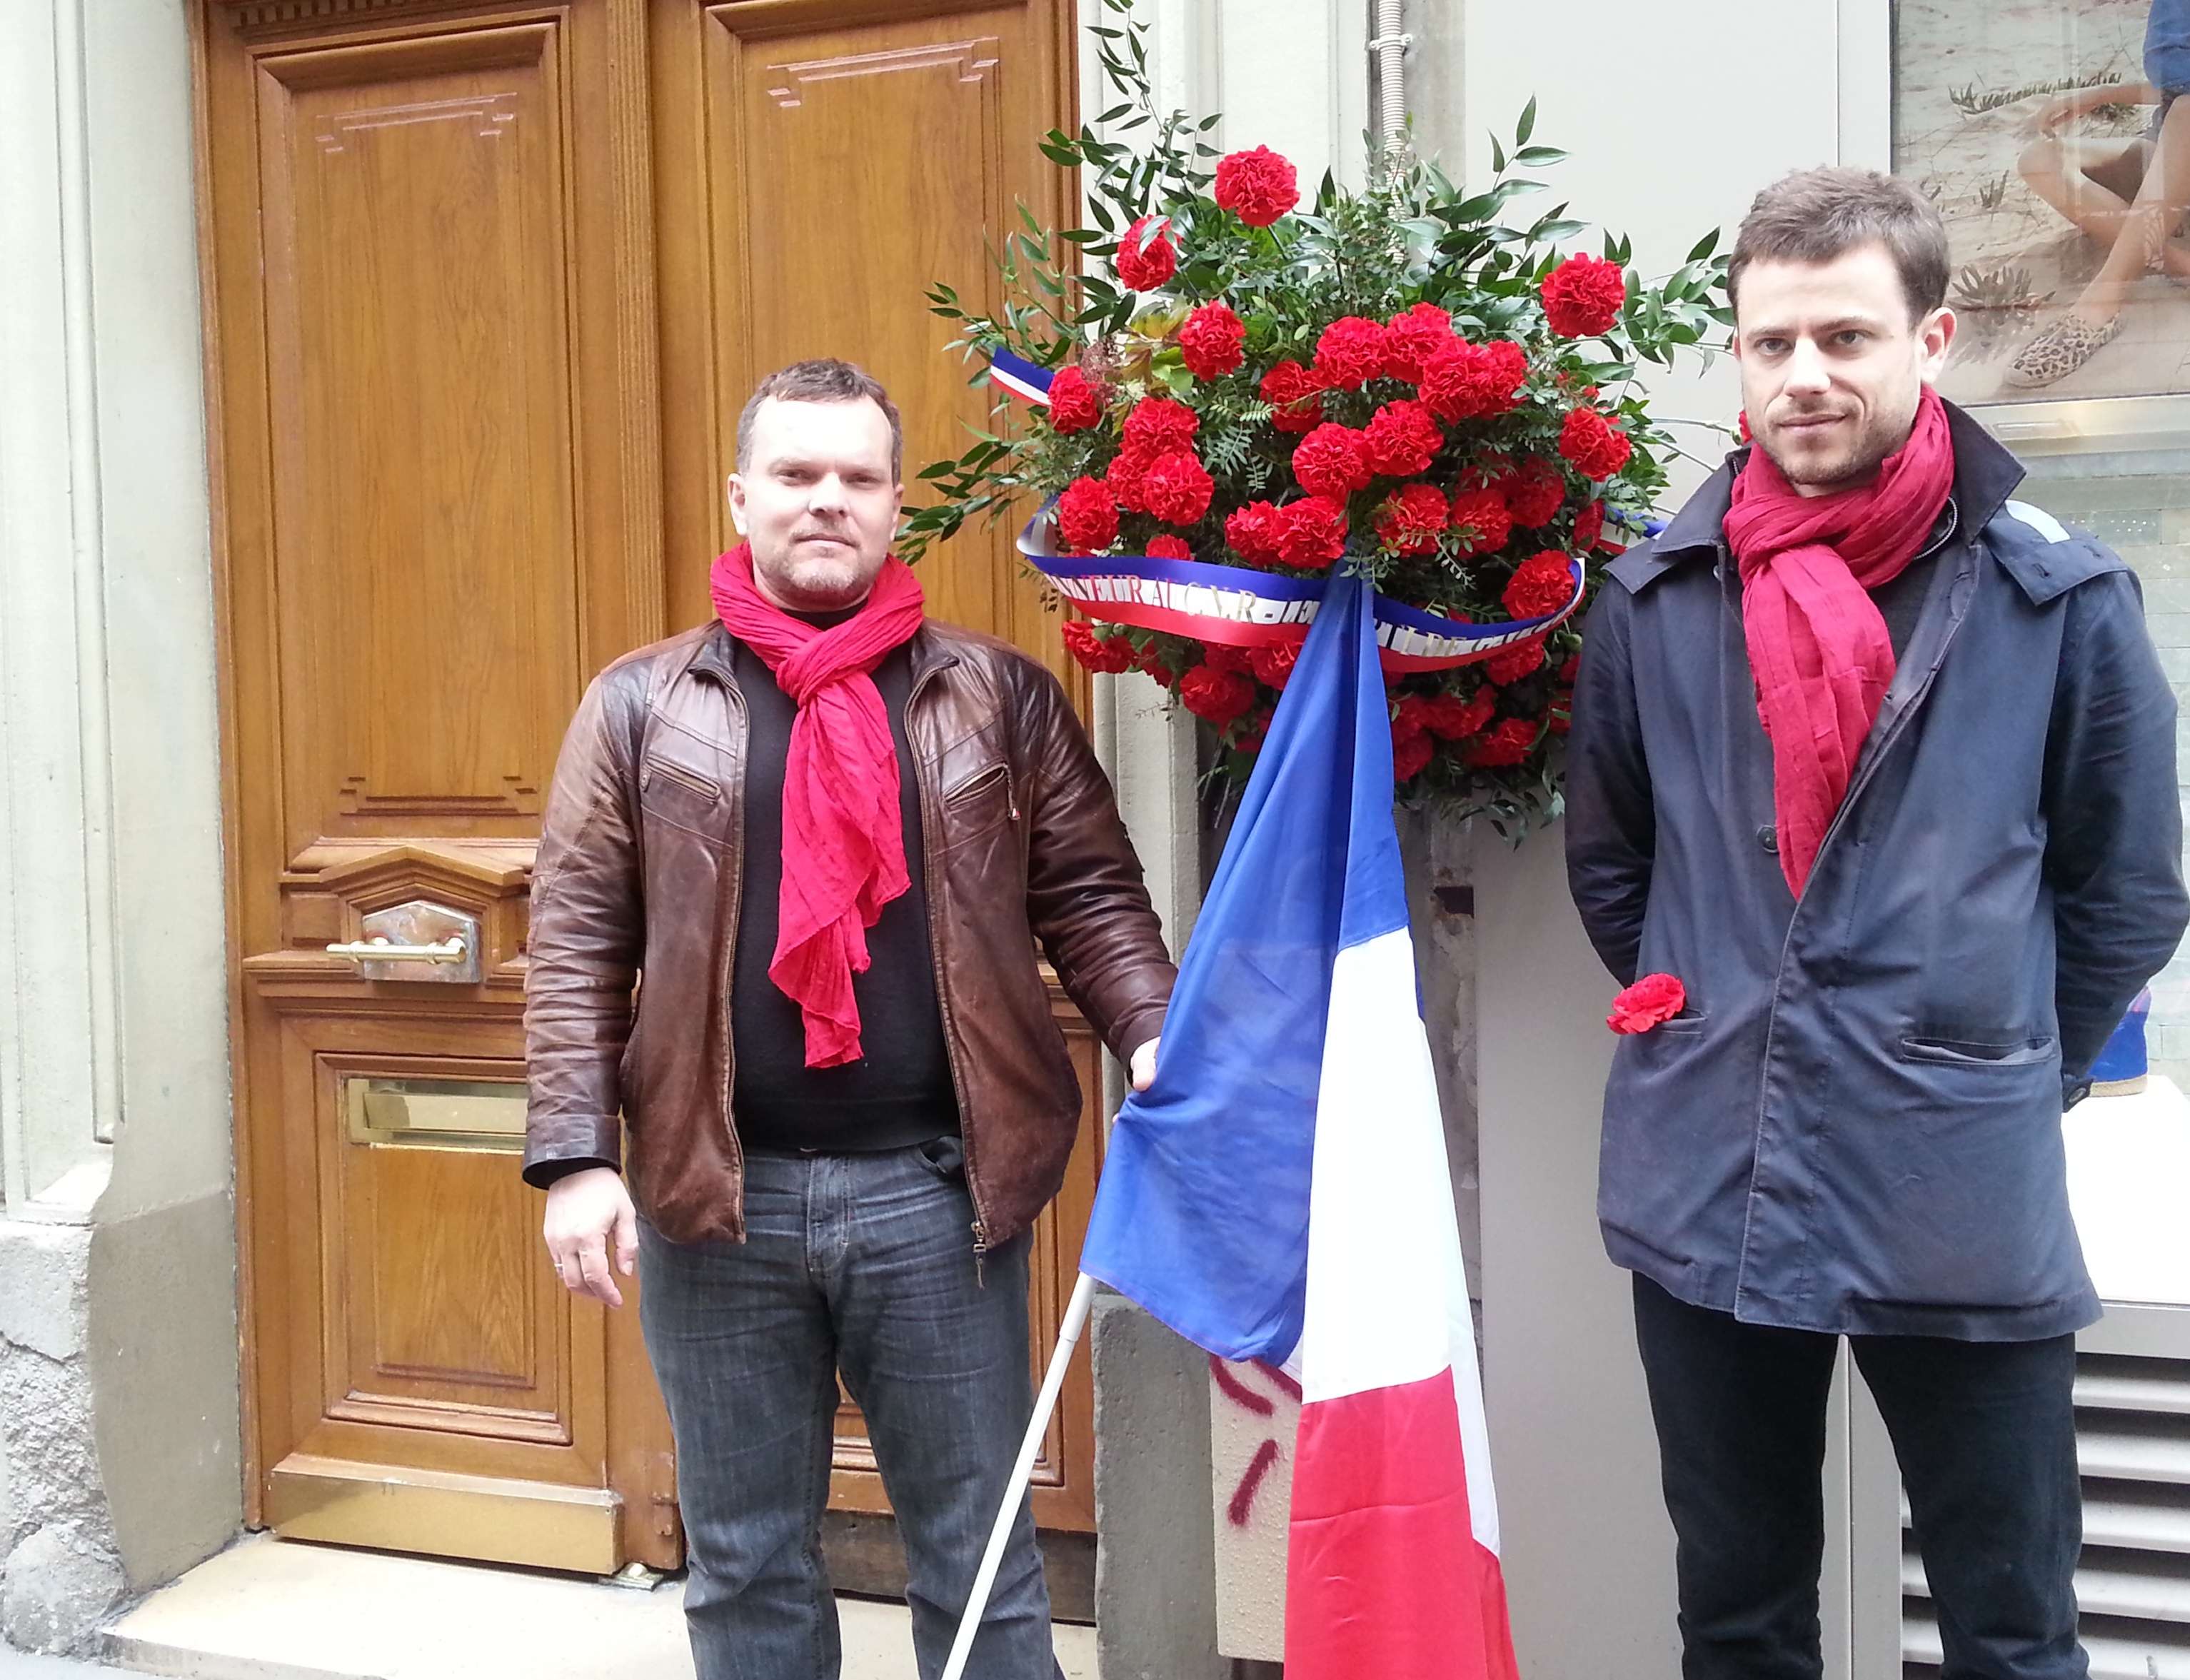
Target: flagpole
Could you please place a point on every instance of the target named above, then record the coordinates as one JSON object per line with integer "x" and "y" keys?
{"x": 1068, "y": 1337}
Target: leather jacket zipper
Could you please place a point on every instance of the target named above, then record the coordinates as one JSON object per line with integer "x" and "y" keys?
{"x": 931, "y": 808}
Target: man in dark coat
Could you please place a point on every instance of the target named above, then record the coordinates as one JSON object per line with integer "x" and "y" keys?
{"x": 1878, "y": 765}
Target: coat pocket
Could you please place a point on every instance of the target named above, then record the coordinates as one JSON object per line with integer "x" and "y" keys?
{"x": 2003, "y": 1051}
{"x": 980, "y": 803}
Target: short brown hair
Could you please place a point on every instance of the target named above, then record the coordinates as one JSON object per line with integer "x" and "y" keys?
{"x": 823, "y": 380}
{"x": 1815, "y": 215}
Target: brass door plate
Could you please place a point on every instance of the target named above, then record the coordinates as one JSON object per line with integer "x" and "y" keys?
{"x": 435, "y": 1114}
{"x": 541, "y": 1525}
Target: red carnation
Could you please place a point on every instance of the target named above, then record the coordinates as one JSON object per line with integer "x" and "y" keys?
{"x": 1651, "y": 1000}
{"x": 1295, "y": 395}
{"x": 1571, "y": 669}
{"x": 1107, "y": 653}
{"x": 1534, "y": 491}
{"x": 1274, "y": 665}
{"x": 1219, "y": 657}
{"x": 1589, "y": 525}
{"x": 1253, "y": 531}
{"x": 1412, "y": 519}
{"x": 1257, "y": 186}
{"x": 1510, "y": 743}
{"x": 1220, "y": 696}
{"x": 1471, "y": 380}
{"x": 1482, "y": 518}
{"x": 1075, "y": 405}
{"x": 1597, "y": 448}
{"x": 1411, "y": 756}
{"x": 1127, "y": 476}
{"x": 1351, "y": 352}
{"x": 1177, "y": 487}
{"x": 1449, "y": 718}
{"x": 1087, "y": 516}
{"x": 1144, "y": 266}
{"x": 1400, "y": 439}
{"x": 1210, "y": 341}
{"x": 1313, "y": 533}
{"x": 1413, "y": 339}
{"x": 1149, "y": 659}
{"x": 1167, "y": 548}
{"x": 1540, "y": 586}
{"x": 1511, "y": 664}
{"x": 1410, "y": 717}
{"x": 1582, "y": 296}
{"x": 1157, "y": 425}
{"x": 1249, "y": 738}
{"x": 1328, "y": 462}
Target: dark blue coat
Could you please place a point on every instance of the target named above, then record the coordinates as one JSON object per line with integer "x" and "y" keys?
{"x": 1855, "y": 1125}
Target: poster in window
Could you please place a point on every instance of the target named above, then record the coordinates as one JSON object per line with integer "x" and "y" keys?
{"x": 2051, "y": 136}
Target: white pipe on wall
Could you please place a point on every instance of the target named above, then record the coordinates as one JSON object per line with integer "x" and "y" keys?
{"x": 1389, "y": 43}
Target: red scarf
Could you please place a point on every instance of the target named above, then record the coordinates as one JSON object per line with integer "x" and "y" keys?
{"x": 843, "y": 834}
{"x": 1818, "y": 644}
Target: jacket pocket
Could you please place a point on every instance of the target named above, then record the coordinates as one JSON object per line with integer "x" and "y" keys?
{"x": 691, "y": 780}
{"x": 980, "y": 803}
{"x": 2003, "y": 1052}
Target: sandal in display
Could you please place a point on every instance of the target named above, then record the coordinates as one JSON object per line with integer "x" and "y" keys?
{"x": 2060, "y": 349}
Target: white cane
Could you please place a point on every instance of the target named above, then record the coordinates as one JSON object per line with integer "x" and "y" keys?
{"x": 1068, "y": 1337}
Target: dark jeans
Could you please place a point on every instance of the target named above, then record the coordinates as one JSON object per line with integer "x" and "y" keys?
{"x": 863, "y": 1263}
{"x": 1985, "y": 1434}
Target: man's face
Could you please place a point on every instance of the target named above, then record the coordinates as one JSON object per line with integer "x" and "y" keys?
{"x": 1832, "y": 367}
{"x": 818, "y": 501}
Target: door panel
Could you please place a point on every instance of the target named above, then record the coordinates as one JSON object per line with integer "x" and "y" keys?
{"x": 439, "y": 514}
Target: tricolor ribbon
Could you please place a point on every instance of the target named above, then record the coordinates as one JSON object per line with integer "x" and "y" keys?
{"x": 1238, "y": 607}
{"x": 1021, "y": 377}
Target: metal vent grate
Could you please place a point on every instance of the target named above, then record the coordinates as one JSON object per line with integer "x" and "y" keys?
{"x": 2133, "y": 1583}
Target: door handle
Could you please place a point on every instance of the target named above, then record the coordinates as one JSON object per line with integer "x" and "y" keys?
{"x": 382, "y": 950}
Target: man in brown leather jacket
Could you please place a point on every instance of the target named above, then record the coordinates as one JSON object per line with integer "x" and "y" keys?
{"x": 831, "y": 842}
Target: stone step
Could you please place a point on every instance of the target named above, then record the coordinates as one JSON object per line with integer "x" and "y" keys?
{"x": 272, "y": 1610}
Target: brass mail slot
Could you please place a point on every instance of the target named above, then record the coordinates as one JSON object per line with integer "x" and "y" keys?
{"x": 436, "y": 1114}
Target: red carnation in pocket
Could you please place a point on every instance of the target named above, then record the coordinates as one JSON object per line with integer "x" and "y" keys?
{"x": 1449, "y": 718}
{"x": 1582, "y": 296}
{"x": 1413, "y": 337}
{"x": 1210, "y": 341}
{"x": 1534, "y": 491}
{"x": 1597, "y": 448}
{"x": 1177, "y": 487}
{"x": 1313, "y": 534}
{"x": 1157, "y": 425}
{"x": 1411, "y": 757}
{"x": 1510, "y": 743}
{"x": 1257, "y": 186}
{"x": 1106, "y": 654}
{"x": 1087, "y": 516}
{"x": 1511, "y": 664}
{"x": 1295, "y": 395}
{"x": 1328, "y": 462}
{"x": 1253, "y": 532}
{"x": 1483, "y": 520}
{"x": 1274, "y": 665}
{"x": 1220, "y": 696}
{"x": 1469, "y": 381}
{"x": 1589, "y": 525}
{"x": 1146, "y": 256}
{"x": 1167, "y": 548}
{"x": 1351, "y": 352}
{"x": 1651, "y": 1000}
{"x": 1075, "y": 405}
{"x": 1412, "y": 519}
{"x": 1400, "y": 439}
{"x": 1540, "y": 585}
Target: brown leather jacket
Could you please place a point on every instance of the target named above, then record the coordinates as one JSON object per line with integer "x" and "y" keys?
{"x": 638, "y": 871}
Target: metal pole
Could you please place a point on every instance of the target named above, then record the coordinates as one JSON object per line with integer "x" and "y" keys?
{"x": 1068, "y": 1337}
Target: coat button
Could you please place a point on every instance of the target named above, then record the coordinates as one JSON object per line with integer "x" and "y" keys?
{"x": 1768, "y": 837}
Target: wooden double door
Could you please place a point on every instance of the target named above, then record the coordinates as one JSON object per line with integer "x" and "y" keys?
{"x": 487, "y": 286}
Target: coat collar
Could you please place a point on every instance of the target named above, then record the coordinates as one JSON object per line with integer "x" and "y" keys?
{"x": 716, "y": 657}
{"x": 1985, "y": 475}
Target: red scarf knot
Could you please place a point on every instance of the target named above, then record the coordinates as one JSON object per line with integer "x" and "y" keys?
{"x": 1818, "y": 643}
{"x": 843, "y": 834}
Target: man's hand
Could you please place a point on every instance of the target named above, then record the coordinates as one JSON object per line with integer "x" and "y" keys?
{"x": 1142, "y": 1069}
{"x": 584, "y": 1210}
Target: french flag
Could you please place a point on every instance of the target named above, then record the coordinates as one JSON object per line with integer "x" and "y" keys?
{"x": 1281, "y": 1191}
